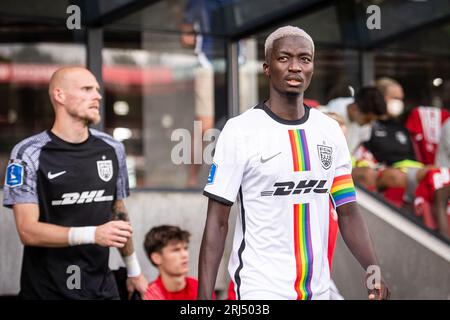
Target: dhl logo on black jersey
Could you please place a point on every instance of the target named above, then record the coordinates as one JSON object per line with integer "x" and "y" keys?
{"x": 83, "y": 197}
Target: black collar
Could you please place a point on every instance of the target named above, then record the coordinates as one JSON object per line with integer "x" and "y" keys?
{"x": 303, "y": 119}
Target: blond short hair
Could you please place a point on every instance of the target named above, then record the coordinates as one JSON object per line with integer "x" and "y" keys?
{"x": 282, "y": 32}
{"x": 384, "y": 83}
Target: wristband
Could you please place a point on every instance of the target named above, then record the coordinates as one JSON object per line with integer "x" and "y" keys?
{"x": 132, "y": 264}
{"x": 81, "y": 235}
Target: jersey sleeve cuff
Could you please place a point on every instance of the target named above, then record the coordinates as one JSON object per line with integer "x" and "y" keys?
{"x": 7, "y": 203}
{"x": 341, "y": 203}
{"x": 123, "y": 195}
{"x": 217, "y": 198}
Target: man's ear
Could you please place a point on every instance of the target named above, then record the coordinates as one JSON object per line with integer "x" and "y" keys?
{"x": 58, "y": 95}
{"x": 266, "y": 69}
{"x": 156, "y": 258}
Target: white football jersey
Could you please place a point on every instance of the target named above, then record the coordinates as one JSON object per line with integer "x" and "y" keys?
{"x": 285, "y": 175}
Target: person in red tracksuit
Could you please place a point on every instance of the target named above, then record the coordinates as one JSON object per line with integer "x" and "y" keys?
{"x": 424, "y": 125}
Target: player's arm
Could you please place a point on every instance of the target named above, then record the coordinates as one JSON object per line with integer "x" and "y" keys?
{"x": 35, "y": 233}
{"x": 32, "y": 232}
{"x": 355, "y": 233}
{"x": 224, "y": 181}
{"x": 211, "y": 249}
{"x": 120, "y": 213}
{"x": 136, "y": 280}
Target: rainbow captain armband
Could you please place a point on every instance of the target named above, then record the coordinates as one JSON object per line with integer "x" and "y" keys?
{"x": 343, "y": 190}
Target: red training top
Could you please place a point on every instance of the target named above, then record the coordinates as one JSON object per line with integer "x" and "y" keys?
{"x": 157, "y": 291}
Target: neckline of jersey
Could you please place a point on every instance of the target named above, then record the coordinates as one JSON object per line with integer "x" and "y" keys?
{"x": 161, "y": 284}
{"x": 264, "y": 107}
{"x": 55, "y": 137}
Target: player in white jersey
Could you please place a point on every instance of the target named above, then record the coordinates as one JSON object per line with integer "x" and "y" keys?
{"x": 286, "y": 163}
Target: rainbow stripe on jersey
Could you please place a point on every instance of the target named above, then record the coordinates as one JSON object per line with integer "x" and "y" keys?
{"x": 343, "y": 190}
{"x": 300, "y": 153}
{"x": 303, "y": 251}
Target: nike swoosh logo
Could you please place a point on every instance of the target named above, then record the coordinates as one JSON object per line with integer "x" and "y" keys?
{"x": 267, "y": 159}
{"x": 54, "y": 175}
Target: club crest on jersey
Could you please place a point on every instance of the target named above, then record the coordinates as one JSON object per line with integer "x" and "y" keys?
{"x": 325, "y": 156}
{"x": 105, "y": 169}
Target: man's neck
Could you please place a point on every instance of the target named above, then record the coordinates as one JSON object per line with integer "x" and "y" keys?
{"x": 70, "y": 130}
{"x": 285, "y": 106}
{"x": 173, "y": 283}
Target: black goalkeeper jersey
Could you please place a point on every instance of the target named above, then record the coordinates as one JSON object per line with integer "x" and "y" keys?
{"x": 74, "y": 185}
{"x": 390, "y": 142}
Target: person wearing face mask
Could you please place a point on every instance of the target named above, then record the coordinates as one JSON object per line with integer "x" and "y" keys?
{"x": 385, "y": 161}
{"x": 393, "y": 94}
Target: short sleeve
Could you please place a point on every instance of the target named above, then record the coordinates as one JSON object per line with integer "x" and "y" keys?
{"x": 122, "y": 187}
{"x": 226, "y": 172}
{"x": 20, "y": 181}
{"x": 343, "y": 189}
{"x": 122, "y": 184}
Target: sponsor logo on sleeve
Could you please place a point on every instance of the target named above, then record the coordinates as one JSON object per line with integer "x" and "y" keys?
{"x": 14, "y": 175}
{"x": 212, "y": 173}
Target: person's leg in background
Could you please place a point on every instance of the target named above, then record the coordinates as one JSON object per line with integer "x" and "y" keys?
{"x": 365, "y": 177}
{"x": 204, "y": 112}
{"x": 442, "y": 203}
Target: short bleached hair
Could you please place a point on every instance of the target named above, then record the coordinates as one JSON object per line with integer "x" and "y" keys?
{"x": 282, "y": 32}
{"x": 384, "y": 83}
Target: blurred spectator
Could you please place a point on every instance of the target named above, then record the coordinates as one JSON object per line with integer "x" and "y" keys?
{"x": 432, "y": 199}
{"x": 358, "y": 113}
{"x": 385, "y": 161}
{"x": 369, "y": 106}
{"x": 339, "y": 107}
{"x": 393, "y": 95}
{"x": 196, "y": 30}
{"x": 424, "y": 125}
{"x": 389, "y": 142}
{"x": 167, "y": 248}
{"x": 339, "y": 120}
